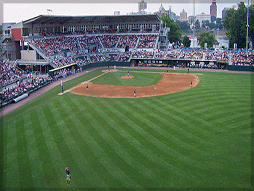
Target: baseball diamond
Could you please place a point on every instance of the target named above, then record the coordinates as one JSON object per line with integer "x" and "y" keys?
{"x": 168, "y": 84}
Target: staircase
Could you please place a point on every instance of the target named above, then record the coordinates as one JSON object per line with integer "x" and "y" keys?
{"x": 42, "y": 55}
{"x": 1, "y": 48}
{"x": 38, "y": 51}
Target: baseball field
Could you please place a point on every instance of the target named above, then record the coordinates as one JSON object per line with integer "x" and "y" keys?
{"x": 196, "y": 138}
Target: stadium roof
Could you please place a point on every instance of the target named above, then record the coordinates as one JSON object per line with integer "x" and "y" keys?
{"x": 53, "y": 19}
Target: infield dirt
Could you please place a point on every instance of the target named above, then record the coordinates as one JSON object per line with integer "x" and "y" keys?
{"x": 169, "y": 83}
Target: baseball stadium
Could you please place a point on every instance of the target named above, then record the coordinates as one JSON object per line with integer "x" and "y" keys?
{"x": 106, "y": 99}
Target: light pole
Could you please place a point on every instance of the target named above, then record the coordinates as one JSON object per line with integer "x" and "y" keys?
{"x": 194, "y": 24}
{"x": 247, "y": 39}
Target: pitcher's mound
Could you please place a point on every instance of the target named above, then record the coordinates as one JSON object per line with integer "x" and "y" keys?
{"x": 127, "y": 77}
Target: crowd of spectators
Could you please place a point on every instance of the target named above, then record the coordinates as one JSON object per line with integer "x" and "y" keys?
{"x": 165, "y": 55}
{"x": 147, "y": 41}
{"x": 9, "y": 73}
{"x": 193, "y": 54}
{"x": 142, "y": 54}
{"x": 216, "y": 55}
{"x": 61, "y": 61}
{"x": 109, "y": 41}
{"x": 241, "y": 58}
{"x": 130, "y": 40}
{"x": 22, "y": 87}
{"x": 92, "y": 46}
{"x": 125, "y": 56}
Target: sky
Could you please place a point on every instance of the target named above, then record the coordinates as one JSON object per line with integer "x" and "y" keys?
{"x": 17, "y": 12}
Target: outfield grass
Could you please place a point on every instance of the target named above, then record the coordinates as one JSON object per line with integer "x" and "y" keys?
{"x": 198, "y": 138}
{"x": 140, "y": 79}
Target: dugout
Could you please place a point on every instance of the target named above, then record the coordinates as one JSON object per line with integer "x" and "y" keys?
{"x": 70, "y": 67}
{"x": 144, "y": 62}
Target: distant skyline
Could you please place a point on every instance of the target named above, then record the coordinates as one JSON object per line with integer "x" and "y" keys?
{"x": 16, "y": 12}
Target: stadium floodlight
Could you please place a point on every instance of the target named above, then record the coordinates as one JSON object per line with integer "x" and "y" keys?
{"x": 247, "y": 37}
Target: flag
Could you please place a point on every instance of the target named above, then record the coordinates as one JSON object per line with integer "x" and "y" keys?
{"x": 49, "y": 10}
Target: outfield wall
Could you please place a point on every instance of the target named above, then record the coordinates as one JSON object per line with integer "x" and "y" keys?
{"x": 241, "y": 68}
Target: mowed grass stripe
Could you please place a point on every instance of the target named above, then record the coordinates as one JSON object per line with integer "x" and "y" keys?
{"x": 96, "y": 157}
{"x": 169, "y": 131}
{"x": 12, "y": 165}
{"x": 66, "y": 146}
{"x": 129, "y": 139}
{"x": 170, "y": 153}
{"x": 34, "y": 159}
{"x": 227, "y": 149}
{"x": 193, "y": 120}
{"x": 147, "y": 144}
{"x": 25, "y": 176}
{"x": 121, "y": 118}
{"x": 199, "y": 125}
{"x": 134, "y": 168}
{"x": 53, "y": 147}
{"x": 99, "y": 150}
{"x": 203, "y": 159}
{"x": 80, "y": 152}
{"x": 220, "y": 112}
{"x": 45, "y": 156}
{"x": 184, "y": 119}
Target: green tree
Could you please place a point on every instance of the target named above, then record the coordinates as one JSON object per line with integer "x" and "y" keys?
{"x": 175, "y": 30}
{"x": 218, "y": 21}
{"x": 206, "y": 37}
{"x": 251, "y": 23}
{"x": 235, "y": 22}
{"x": 186, "y": 41}
{"x": 183, "y": 25}
{"x": 197, "y": 24}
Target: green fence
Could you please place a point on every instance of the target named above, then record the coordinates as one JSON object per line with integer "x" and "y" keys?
{"x": 241, "y": 68}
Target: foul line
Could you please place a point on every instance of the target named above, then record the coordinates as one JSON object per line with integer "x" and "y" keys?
{"x": 66, "y": 91}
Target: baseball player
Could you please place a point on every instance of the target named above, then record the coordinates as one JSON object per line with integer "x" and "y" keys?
{"x": 191, "y": 84}
{"x": 62, "y": 85}
{"x": 167, "y": 71}
{"x": 134, "y": 93}
{"x": 128, "y": 73}
{"x": 87, "y": 88}
{"x": 68, "y": 178}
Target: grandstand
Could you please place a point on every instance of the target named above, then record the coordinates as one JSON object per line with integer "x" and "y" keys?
{"x": 62, "y": 40}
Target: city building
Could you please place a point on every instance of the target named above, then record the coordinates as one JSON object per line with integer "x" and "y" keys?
{"x": 142, "y": 6}
{"x": 117, "y": 13}
{"x": 191, "y": 19}
{"x": 213, "y": 11}
{"x": 171, "y": 14}
{"x": 203, "y": 17}
{"x": 183, "y": 16}
{"x": 224, "y": 12}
